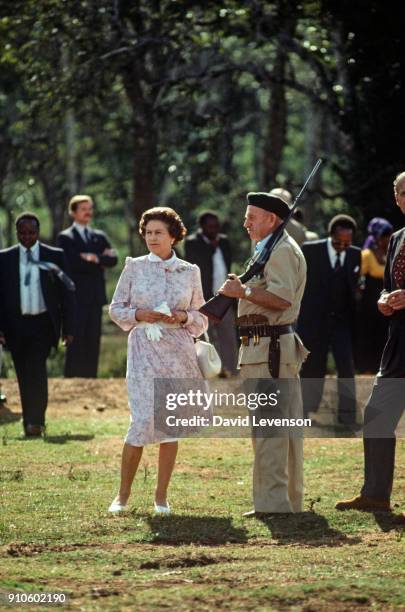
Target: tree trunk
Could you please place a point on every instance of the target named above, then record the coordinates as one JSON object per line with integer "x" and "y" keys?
{"x": 5, "y": 156}
{"x": 71, "y": 153}
{"x": 70, "y": 134}
{"x": 56, "y": 202}
{"x": 277, "y": 113}
{"x": 145, "y": 162}
{"x": 276, "y": 124}
{"x": 315, "y": 130}
{"x": 10, "y": 233}
{"x": 144, "y": 141}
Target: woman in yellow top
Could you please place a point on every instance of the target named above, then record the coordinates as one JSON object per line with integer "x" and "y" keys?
{"x": 372, "y": 325}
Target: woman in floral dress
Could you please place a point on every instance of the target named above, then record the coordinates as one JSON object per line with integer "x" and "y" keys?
{"x": 164, "y": 349}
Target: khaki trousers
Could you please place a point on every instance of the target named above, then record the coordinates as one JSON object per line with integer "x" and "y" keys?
{"x": 278, "y": 482}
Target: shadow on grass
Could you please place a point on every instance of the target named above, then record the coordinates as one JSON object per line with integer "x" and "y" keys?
{"x": 195, "y": 529}
{"x": 63, "y": 438}
{"x": 7, "y": 416}
{"x": 388, "y": 521}
{"x": 307, "y": 528}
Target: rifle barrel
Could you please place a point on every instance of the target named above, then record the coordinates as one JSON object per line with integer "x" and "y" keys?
{"x": 216, "y": 308}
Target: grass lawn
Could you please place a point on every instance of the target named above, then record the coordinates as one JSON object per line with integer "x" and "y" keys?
{"x": 55, "y": 533}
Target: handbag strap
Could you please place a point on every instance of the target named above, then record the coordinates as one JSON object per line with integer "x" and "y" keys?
{"x": 203, "y": 336}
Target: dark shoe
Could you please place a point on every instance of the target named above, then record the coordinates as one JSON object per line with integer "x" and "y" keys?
{"x": 364, "y": 504}
{"x": 33, "y": 431}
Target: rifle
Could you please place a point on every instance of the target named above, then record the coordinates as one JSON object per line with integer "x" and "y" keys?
{"x": 218, "y": 305}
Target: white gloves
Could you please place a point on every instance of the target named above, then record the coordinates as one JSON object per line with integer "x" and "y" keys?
{"x": 153, "y": 330}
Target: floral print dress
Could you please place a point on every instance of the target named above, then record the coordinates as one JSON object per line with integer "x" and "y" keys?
{"x": 146, "y": 282}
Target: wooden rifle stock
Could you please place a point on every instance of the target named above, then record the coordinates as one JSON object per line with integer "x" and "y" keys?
{"x": 216, "y": 308}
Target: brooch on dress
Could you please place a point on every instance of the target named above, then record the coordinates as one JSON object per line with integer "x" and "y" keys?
{"x": 176, "y": 268}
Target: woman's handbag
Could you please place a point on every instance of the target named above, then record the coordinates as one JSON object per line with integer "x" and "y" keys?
{"x": 207, "y": 357}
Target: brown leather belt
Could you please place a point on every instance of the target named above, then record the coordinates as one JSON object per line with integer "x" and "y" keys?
{"x": 256, "y": 327}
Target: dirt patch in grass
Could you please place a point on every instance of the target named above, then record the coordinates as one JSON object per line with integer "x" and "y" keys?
{"x": 31, "y": 550}
{"x": 76, "y": 396}
{"x": 192, "y": 560}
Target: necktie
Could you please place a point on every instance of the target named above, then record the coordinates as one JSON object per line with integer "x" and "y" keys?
{"x": 338, "y": 263}
{"x": 86, "y": 235}
{"x": 27, "y": 278}
{"x": 398, "y": 268}
{"x": 49, "y": 267}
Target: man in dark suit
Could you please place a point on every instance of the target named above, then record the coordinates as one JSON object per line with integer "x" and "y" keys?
{"x": 386, "y": 404}
{"x": 34, "y": 306}
{"x": 211, "y": 251}
{"x": 327, "y": 315}
{"x": 88, "y": 252}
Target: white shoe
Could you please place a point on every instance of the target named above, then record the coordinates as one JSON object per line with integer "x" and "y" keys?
{"x": 162, "y": 509}
{"x": 117, "y": 507}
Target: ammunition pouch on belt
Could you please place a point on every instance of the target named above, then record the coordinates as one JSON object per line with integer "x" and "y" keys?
{"x": 253, "y": 327}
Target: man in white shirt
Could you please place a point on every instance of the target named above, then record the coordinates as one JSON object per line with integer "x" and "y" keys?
{"x": 35, "y": 307}
{"x": 211, "y": 252}
{"x": 327, "y": 315}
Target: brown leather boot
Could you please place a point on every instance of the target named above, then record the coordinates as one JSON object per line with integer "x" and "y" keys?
{"x": 365, "y": 504}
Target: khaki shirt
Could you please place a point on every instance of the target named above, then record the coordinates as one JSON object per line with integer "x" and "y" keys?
{"x": 284, "y": 275}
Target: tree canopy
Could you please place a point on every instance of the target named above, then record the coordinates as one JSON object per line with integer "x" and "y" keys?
{"x": 193, "y": 104}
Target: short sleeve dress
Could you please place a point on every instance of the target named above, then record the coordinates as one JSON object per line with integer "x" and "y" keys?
{"x": 146, "y": 282}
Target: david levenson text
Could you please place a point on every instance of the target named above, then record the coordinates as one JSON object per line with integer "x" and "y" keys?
{"x": 246, "y": 421}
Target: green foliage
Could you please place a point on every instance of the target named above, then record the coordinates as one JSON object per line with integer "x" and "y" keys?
{"x": 113, "y": 357}
{"x": 138, "y": 103}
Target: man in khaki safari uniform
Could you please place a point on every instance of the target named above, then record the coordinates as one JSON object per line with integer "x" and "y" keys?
{"x": 268, "y": 308}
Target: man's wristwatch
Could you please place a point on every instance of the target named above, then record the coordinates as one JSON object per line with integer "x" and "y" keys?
{"x": 248, "y": 292}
